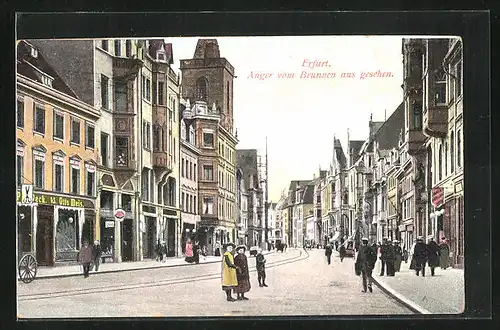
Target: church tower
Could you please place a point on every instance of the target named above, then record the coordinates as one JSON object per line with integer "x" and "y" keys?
{"x": 209, "y": 77}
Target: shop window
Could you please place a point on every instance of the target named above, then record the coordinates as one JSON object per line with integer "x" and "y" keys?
{"x": 104, "y": 92}
{"x": 58, "y": 125}
{"x": 39, "y": 124}
{"x": 121, "y": 97}
{"x": 75, "y": 131}
{"x": 90, "y": 136}
{"x": 208, "y": 204}
{"x": 20, "y": 113}
{"x": 67, "y": 226}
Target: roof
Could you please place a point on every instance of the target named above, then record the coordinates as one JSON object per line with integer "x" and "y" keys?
{"x": 157, "y": 44}
{"x": 354, "y": 148}
{"x": 246, "y": 161}
{"x": 207, "y": 48}
{"x": 308, "y": 194}
{"x": 35, "y": 67}
{"x": 294, "y": 185}
{"x": 339, "y": 154}
{"x": 387, "y": 135}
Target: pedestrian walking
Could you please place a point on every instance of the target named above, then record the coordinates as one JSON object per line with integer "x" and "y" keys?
{"x": 260, "y": 263}
{"x": 328, "y": 253}
{"x": 217, "y": 249}
{"x": 444, "y": 254}
{"x": 412, "y": 254}
{"x": 342, "y": 252}
{"x": 158, "y": 250}
{"x": 196, "y": 252}
{"x": 242, "y": 273}
{"x": 405, "y": 255}
{"x": 229, "y": 278}
{"x": 390, "y": 259}
{"x": 398, "y": 256}
{"x": 96, "y": 254}
{"x": 190, "y": 258}
{"x": 420, "y": 255}
{"x": 385, "y": 255}
{"x": 433, "y": 255}
{"x": 365, "y": 262}
{"x": 85, "y": 258}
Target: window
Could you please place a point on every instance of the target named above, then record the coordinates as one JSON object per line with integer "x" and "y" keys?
{"x": 128, "y": 48}
{"x": 208, "y": 172}
{"x": 195, "y": 211}
{"x": 75, "y": 131}
{"x": 146, "y": 88}
{"x": 445, "y": 159}
{"x": 20, "y": 113}
{"x": 104, "y": 92}
{"x": 104, "y": 45}
{"x": 90, "y": 136}
{"x": 146, "y": 131}
{"x": 156, "y": 137}
{"x": 39, "y": 168}
{"x": 90, "y": 179}
{"x": 161, "y": 96}
{"x": 194, "y": 172}
{"x": 145, "y": 184}
{"x": 20, "y": 169}
{"x": 440, "y": 88}
{"x": 202, "y": 89}
{"x": 104, "y": 149}
{"x": 208, "y": 140}
{"x": 459, "y": 80}
{"x": 440, "y": 163}
{"x": 452, "y": 153}
{"x": 58, "y": 126}
{"x": 182, "y": 167}
{"x": 58, "y": 177}
{"x": 121, "y": 97}
{"x": 121, "y": 151}
{"x": 227, "y": 97}
{"x": 118, "y": 48}
{"x": 160, "y": 56}
{"x": 459, "y": 149}
{"x": 417, "y": 115}
{"x": 208, "y": 204}
{"x": 39, "y": 125}
{"x": 75, "y": 180}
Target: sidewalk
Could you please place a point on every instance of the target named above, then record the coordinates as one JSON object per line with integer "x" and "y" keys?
{"x": 114, "y": 267}
{"x": 443, "y": 293}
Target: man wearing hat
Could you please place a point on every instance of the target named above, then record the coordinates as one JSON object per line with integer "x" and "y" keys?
{"x": 260, "y": 263}
{"x": 365, "y": 261}
{"x": 384, "y": 257}
{"x": 398, "y": 256}
{"x": 228, "y": 272}
{"x": 420, "y": 255}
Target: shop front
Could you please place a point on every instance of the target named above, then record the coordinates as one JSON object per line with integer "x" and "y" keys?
{"x": 170, "y": 227}
{"x": 54, "y": 226}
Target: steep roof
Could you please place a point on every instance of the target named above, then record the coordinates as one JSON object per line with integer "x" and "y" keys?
{"x": 36, "y": 67}
{"x": 354, "y": 148}
{"x": 387, "y": 135}
{"x": 206, "y": 48}
{"x": 339, "y": 154}
{"x": 159, "y": 44}
{"x": 294, "y": 185}
{"x": 308, "y": 194}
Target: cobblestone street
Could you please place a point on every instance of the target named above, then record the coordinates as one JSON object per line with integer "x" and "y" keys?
{"x": 298, "y": 285}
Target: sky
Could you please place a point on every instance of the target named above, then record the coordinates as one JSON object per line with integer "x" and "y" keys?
{"x": 300, "y": 116}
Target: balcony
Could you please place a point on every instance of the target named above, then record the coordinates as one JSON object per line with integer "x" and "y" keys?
{"x": 416, "y": 140}
{"x": 436, "y": 121}
{"x": 161, "y": 160}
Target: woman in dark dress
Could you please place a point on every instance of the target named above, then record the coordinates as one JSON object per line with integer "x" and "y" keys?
{"x": 242, "y": 274}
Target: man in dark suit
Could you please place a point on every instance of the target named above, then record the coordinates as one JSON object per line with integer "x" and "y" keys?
{"x": 365, "y": 261}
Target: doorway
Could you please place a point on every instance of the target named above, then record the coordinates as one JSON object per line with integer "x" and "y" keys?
{"x": 149, "y": 238}
{"x": 171, "y": 238}
{"x": 45, "y": 236}
{"x": 88, "y": 230}
{"x": 127, "y": 234}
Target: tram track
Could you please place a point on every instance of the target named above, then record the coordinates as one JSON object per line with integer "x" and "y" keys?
{"x": 123, "y": 287}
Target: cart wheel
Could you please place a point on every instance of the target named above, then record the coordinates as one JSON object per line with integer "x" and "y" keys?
{"x": 27, "y": 268}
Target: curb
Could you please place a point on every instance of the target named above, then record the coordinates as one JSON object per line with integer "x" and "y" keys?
{"x": 400, "y": 298}
{"x": 51, "y": 276}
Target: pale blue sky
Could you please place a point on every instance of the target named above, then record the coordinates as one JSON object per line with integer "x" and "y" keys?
{"x": 301, "y": 116}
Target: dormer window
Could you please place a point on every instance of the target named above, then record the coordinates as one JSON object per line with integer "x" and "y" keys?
{"x": 160, "y": 56}
{"x": 34, "y": 52}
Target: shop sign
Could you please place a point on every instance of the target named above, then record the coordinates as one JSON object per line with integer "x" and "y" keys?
{"x": 57, "y": 200}
{"x": 437, "y": 196}
{"x": 119, "y": 214}
{"x": 109, "y": 224}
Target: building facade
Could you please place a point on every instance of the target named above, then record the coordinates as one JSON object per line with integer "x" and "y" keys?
{"x": 207, "y": 82}
{"x": 56, "y": 156}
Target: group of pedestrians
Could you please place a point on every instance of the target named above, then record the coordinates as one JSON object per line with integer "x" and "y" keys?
{"x": 391, "y": 256}
{"x": 193, "y": 252}
{"x": 89, "y": 257}
{"x": 432, "y": 254}
{"x": 235, "y": 275}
